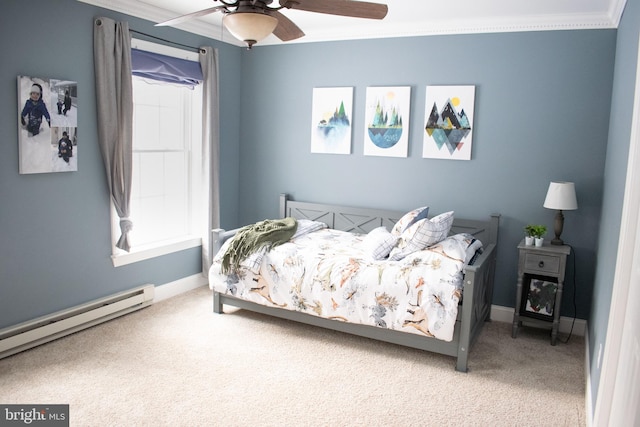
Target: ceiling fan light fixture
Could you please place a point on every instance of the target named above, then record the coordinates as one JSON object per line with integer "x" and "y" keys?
{"x": 250, "y": 27}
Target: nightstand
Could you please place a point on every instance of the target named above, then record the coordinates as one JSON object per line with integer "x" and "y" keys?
{"x": 541, "y": 273}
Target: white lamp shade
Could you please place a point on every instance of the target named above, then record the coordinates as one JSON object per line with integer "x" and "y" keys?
{"x": 561, "y": 196}
{"x": 250, "y": 27}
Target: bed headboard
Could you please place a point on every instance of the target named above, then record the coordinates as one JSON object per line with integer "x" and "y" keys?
{"x": 363, "y": 220}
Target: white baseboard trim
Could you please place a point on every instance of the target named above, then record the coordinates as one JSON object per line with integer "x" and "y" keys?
{"x": 178, "y": 287}
{"x": 587, "y": 374}
{"x": 505, "y": 314}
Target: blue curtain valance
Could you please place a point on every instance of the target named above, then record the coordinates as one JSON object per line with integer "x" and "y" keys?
{"x": 165, "y": 68}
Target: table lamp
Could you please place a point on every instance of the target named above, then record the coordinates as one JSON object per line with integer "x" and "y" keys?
{"x": 560, "y": 196}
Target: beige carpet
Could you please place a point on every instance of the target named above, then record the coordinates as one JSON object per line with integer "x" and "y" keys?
{"x": 178, "y": 364}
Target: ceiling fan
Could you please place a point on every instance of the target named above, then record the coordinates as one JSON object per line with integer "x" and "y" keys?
{"x": 253, "y": 20}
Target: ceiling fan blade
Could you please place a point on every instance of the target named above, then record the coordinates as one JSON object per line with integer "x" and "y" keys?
{"x": 355, "y": 9}
{"x": 183, "y": 18}
{"x": 286, "y": 29}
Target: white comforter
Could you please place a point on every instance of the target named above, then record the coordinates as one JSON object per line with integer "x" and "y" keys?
{"x": 328, "y": 273}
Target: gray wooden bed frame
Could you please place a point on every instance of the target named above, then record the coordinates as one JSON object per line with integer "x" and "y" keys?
{"x": 478, "y": 278}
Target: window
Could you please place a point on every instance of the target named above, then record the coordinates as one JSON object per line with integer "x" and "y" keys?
{"x": 167, "y": 134}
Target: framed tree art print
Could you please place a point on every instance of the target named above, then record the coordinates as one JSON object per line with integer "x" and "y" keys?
{"x": 386, "y": 130}
{"x": 331, "y": 120}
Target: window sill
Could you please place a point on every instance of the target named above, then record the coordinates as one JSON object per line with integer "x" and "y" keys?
{"x": 156, "y": 250}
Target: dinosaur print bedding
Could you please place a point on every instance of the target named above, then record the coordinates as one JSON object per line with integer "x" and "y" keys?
{"x": 331, "y": 273}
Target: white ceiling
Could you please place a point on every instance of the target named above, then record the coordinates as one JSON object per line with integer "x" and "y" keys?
{"x": 405, "y": 18}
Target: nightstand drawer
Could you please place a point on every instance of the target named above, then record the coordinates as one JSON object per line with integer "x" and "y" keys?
{"x": 542, "y": 263}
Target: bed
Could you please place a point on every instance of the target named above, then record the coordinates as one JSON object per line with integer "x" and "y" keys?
{"x": 454, "y": 311}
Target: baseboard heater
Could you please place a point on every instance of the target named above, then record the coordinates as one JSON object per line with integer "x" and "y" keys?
{"x": 24, "y": 336}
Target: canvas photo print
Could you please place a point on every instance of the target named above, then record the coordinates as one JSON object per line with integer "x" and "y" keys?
{"x": 47, "y": 125}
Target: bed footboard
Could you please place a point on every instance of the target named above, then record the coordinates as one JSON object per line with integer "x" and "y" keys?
{"x": 476, "y": 303}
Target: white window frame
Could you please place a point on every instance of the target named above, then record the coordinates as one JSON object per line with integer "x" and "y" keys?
{"x": 149, "y": 251}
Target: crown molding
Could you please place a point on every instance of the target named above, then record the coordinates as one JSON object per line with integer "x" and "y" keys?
{"x": 607, "y": 20}
{"x": 616, "y": 10}
{"x": 155, "y": 14}
{"x": 462, "y": 27}
{"x": 453, "y": 27}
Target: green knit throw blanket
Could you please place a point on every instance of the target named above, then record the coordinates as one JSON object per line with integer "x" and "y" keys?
{"x": 251, "y": 238}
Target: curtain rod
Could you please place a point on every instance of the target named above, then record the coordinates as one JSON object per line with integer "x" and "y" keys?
{"x": 197, "y": 49}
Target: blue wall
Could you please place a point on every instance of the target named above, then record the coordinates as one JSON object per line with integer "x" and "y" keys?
{"x": 614, "y": 181}
{"x": 541, "y": 114}
{"x": 55, "y": 228}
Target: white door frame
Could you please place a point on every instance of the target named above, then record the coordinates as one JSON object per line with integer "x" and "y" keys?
{"x": 621, "y": 305}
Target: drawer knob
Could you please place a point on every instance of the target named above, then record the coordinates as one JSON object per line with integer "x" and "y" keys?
{"x": 541, "y": 264}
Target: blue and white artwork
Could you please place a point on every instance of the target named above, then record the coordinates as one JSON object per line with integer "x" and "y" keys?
{"x": 448, "y": 122}
{"x": 331, "y": 120}
{"x": 387, "y": 121}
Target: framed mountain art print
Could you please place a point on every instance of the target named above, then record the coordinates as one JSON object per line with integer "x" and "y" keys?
{"x": 448, "y": 129}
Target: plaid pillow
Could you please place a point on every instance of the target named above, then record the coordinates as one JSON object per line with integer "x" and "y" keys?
{"x": 306, "y": 226}
{"x": 423, "y": 233}
{"x": 379, "y": 242}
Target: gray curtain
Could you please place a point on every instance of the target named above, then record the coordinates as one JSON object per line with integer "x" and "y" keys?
{"x": 211, "y": 147}
{"x": 112, "y": 64}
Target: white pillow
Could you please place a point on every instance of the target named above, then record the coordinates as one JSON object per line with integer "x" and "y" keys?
{"x": 423, "y": 233}
{"x": 471, "y": 244}
{"x": 409, "y": 219}
{"x": 378, "y": 243}
{"x": 459, "y": 246}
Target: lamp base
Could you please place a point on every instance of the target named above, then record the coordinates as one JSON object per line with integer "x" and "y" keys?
{"x": 558, "y": 226}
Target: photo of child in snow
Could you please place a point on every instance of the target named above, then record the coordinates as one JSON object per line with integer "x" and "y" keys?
{"x": 47, "y": 132}
{"x": 65, "y": 147}
{"x": 64, "y": 95}
{"x": 34, "y": 110}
